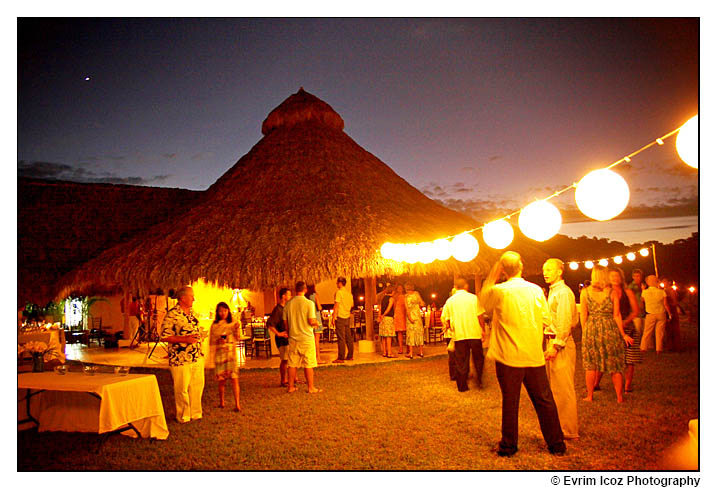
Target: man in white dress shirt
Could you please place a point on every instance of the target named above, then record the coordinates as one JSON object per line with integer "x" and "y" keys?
{"x": 561, "y": 350}
{"x": 463, "y": 316}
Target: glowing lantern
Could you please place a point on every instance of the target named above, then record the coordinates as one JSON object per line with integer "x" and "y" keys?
{"x": 410, "y": 253}
{"x": 618, "y": 259}
{"x": 426, "y": 252}
{"x": 588, "y": 264}
{"x": 498, "y": 234}
{"x": 540, "y": 220}
{"x": 389, "y": 250}
{"x": 602, "y": 194}
{"x": 674, "y": 287}
{"x": 573, "y": 266}
{"x": 442, "y": 248}
{"x": 631, "y": 256}
{"x": 663, "y": 285}
{"x": 603, "y": 262}
{"x": 464, "y": 247}
{"x": 687, "y": 142}
{"x": 643, "y": 252}
{"x": 692, "y": 289}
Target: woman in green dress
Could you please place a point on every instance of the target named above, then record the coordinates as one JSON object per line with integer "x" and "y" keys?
{"x": 414, "y": 322}
{"x": 603, "y": 334}
{"x": 223, "y": 335}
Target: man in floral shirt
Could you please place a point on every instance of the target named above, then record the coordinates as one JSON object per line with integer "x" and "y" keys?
{"x": 180, "y": 329}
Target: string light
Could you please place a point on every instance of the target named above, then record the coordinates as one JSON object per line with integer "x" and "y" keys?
{"x": 618, "y": 259}
{"x": 464, "y": 247}
{"x": 591, "y": 192}
{"x": 687, "y": 150}
{"x": 540, "y": 220}
{"x": 498, "y": 234}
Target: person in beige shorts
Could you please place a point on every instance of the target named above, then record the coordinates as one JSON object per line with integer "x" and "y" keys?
{"x": 300, "y": 315}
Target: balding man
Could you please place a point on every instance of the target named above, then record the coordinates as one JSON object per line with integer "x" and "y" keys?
{"x": 463, "y": 316}
{"x": 180, "y": 329}
{"x": 560, "y": 353}
{"x": 519, "y": 313}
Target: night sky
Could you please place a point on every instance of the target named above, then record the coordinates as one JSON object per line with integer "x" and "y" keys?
{"x": 484, "y": 115}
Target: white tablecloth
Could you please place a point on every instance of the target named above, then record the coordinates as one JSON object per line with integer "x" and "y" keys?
{"x": 68, "y": 406}
{"x": 53, "y": 338}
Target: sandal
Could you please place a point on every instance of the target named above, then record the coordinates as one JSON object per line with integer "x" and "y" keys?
{"x": 421, "y": 355}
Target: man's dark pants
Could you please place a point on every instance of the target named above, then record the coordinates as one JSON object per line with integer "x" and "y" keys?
{"x": 463, "y": 363}
{"x": 344, "y": 339}
{"x": 452, "y": 361}
{"x": 537, "y": 385}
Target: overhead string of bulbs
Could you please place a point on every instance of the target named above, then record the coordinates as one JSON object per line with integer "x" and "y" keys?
{"x": 618, "y": 259}
{"x": 541, "y": 220}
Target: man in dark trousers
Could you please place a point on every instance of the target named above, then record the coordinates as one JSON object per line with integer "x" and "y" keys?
{"x": 276, "y": 324}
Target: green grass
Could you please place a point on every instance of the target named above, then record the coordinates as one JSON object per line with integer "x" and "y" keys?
{"x": 391, "y": 416}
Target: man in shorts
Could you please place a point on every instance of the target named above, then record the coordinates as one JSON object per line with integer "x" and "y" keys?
{"x": 278, "y": 326}
{"x": 300, "y": 315}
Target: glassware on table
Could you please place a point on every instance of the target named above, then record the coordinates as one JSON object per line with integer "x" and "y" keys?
{"x": 122, "y": 370}
{"x": 61, "y": 369}
{"x": 89, "y": 369}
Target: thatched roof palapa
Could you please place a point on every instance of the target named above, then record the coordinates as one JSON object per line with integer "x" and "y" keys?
{"x": 307, "y": 202}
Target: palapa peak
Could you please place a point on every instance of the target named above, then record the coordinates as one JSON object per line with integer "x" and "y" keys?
{"x": 302, "y": 107}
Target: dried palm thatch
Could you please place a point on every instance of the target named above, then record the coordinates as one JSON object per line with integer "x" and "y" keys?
{"x": 61, "y": 225}
{"x": 306, "y": 202}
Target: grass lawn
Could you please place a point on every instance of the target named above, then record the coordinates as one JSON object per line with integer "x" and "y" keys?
{"x": 391, "y": 416}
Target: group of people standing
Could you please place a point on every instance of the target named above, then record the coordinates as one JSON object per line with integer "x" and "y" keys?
{"x": 400, "y": 315}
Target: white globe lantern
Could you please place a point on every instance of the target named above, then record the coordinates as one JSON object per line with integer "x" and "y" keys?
{"x": 687, "y": 142}
{"x": 631, "y": 256}
{"x": 540, "y": 220}
{"x": 588, "y": 264}
{"x": 410, "y": 253}
{"x": 498, "y": 234}
{"x": 573, "y": 266}
{"x": 618, "y": 259}
{"x": 643, "y": 252}
{"x": 603, "y": 262}
{"x": 602, "y": 194}
{"x": 464, "y": 247}
{"x": 426, "y": 252}
{"x": 442, "y": 248}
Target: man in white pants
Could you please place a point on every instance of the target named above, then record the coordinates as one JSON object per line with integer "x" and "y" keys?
{"x": 560, "y": 353}
{"x": 180, "y": 329}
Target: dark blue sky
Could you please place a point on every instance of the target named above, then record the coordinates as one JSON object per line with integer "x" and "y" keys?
{"x": 479, "y": 113}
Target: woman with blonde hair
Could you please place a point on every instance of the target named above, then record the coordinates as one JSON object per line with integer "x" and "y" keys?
{"x": 414, "y": 321}
{"x": 603, "y": 334}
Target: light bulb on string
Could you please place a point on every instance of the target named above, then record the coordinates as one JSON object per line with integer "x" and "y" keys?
{"x": 631, "y": 256}
{"x": 464, "y": 247}
{"x": 410, "y": 253}
{"x": 592, "y": 194}
{"x": 540, "y": 220}
{"x": 426, "y": 252}
{"x": 603, "y": 262}
{"x": 643, "y": 252}
{"x": 498, "y": 234}
{"x": 687, "y": 142}
{"x": 388, "y": 250}
{"x": 442, "y": 248}
{"x": 618, "y": 259}
{"x": 588, "y": 264}
{"x": 573, "y": 266}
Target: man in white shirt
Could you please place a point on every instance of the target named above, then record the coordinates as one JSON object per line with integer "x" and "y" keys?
{"x": 519, "y": 312}
{"x": 343, "y": 302}
{"x": 463, "y": 315}
{"x": 300, "y": 316}
{"x": 561, "y": 350}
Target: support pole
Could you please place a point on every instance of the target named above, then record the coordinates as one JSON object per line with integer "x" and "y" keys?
{"x": 655, "y": 262}
{"x": 369, "y": 302}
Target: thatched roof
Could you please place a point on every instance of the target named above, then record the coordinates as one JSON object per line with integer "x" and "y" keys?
{"x": 306, "y": 202}
{"x": 61, "y": 225}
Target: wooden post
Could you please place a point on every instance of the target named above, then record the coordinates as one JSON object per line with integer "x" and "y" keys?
{"x": 270, "y": 300}
{"x": 655, "y": 262}
{"x": 126, "y": 316}
{"x": 369, "y": 302}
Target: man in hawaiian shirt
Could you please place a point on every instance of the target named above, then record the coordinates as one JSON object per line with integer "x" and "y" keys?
{"x": 180, "y": 329}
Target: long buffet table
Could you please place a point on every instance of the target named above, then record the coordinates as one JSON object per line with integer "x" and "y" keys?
{"x": 103, "y": 403}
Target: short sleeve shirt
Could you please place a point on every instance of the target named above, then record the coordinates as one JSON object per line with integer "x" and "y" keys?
{"x": 276, "y": 320}
{"x": 297, "y": 313}
{"x": 344, "y": 301}
{"x": 179, "y": 323}
{"x": 462, "y": 310}
{"x": 653, "y": 297}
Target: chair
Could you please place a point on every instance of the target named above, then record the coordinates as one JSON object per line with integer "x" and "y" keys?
{"x": 436, "y": 327}
{"x": 359, "y": 320}
{"x": 95, "y": 331}
{"x": 330, "y": 331}
{"x": 261, "y": 339}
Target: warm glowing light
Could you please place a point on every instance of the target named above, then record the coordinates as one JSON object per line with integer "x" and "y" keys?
{"x": 692, "y": 289}
{"x": 361, "y": 298}
{"x": 442, "y": 248}
{"x": 433, "y": 295}
{"x": 498, "y": 234}
{"x": 410, "y": 253}
{"x": 540, "y": 220}
{"x": 663, "y": 285}
{"x": 602, "y": 194}
{"x": 603, "y": 262}
{"x": 618, "y": 259}
{"x": 426, "y": 252}
{"x": 631, "y": 256}
{"x": 391, "y": 251}
{"x": 573, "y": 266}
{"x": 588, "y": 264}
{"x": 674, "y": 287}
{"x": 464, "y": 247}
{"x": 687, "y": 142}
{"x": 643, "y": 252}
